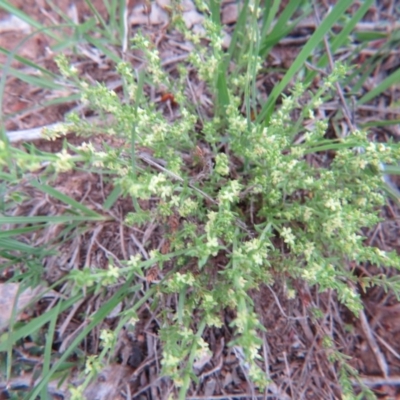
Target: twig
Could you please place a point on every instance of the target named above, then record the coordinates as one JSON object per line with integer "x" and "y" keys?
{"x": 141, "y": 367}
{"x": 29, "y": 134}
{"x": 288, "y": 374}
{"x": 173, "y": 60}
{"x": 93, "y": 238}
{"x": 280, "y": 307}
{"x": 245, "y": 367}
{"x": 144, "y": 388}
{"x": 346, "y": 112}
{"x": 388, "y": 346}
{"x": 372, "y": 343}
{"x": 149, "y": 160}
{"x": 140, "y": 247}
{"x": 122, "y": 241}
{"x": 312, "y": 68}
{"x": 126, "y": 30}
{"x": 217, "y": 368}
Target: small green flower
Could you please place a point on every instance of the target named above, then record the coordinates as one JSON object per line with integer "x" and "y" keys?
{"x": 108, "y": 338}
{"x": 288, "y": 236}
{"x": 77, "y": 393}
{"x": 112, "y": 273}
{"x": 222, "y": 164}
{"x": 92, "y": 365}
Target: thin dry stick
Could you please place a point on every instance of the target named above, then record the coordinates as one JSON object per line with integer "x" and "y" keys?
{"x": 313, "y": 68}
{"x": 388, "y": 346}
{"x": 147, "y": 387}
{"x": 346, "y": 112}
{"x": 128, "y": 392}
{"x": 173, "y": 60}
{"x": 288, "y": 374}
{"x": 238, "y": 351}
{"x": 217, "y": 368}
{"x": 68, "y": 319}
{"x": 265, "y": 354}
{"x": 122, "y": 241}
{"x": 140, "y": 247}
{"x": 280, "y": 307}
{"x": 374, "y": 346}
{"x": 149, "y": 160}
{"x": 91, "y": 244}
{"x": 126, "y": 30}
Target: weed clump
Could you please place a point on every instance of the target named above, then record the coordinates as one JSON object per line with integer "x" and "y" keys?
{"x": 242, "y": 195}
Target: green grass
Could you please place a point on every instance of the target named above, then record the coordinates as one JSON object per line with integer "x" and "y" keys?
{"x": 233, "y": 175}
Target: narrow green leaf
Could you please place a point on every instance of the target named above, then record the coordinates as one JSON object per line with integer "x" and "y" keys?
{"x": 112, "y": 197}
{"x": 15, "y": 245}
{"x": 42, "y": 82}
{"x": 388, "y": 122}
{"x": 215, "y": 9}
{"x": 281, "y": 27}
{"x": 61, "y": 219}
{"x": 334, "y": 15}
{"x": 369, "y": 36}
{"x": 100, "y": 19}
{"x": 392, "y": 79}
{"x": 270, "y": 10}
{"x": 49, "y": 346}
{"x": 341, "y": 37}
{"x": 239, "y": 29}
{"x": 222, "y": 89}
{"x": 29, "y": 63}
{"x": 6, "y": 6}
{"x": 98, "y": 44}
{"x": 19, "y": 231}
{"x": 122, "y": 15}
{"x": 35, "y": 324}
{"x": 65, "y": 199}
{"x": 95, "y": 320}
{"x": 392, "y": 169}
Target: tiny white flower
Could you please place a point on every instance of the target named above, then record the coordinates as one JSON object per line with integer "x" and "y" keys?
{"x": 288, "y": 236}
{"x": 333, "y": 204}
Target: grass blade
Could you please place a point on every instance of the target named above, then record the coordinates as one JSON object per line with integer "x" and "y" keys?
{"x": 61, "y": 219}
{"x": 15, "y": 245}
{"x": 35, "y": 81}
{"x": 33, "y": 326}
{"x": 48, "y": 346}
{"x": 112, "y": 197}
{"x": 342, "y": 37}
{"x": 280, "y": 29}
{"x": 269, "y": 15}
{"x": 379, "y": 123}
{"x": 96, "y": 319}
{"x": 100, "y": 19}
{"x": 391, "y": 80}
{"x": 340, "y": 7}
{"x": 19, "y": 231}
{"x": 29, "y": 63}
{"x": 6, "y": 6}
{"x": 65, "y": 199}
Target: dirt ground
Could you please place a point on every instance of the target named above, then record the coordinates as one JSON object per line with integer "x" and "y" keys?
{"x": 296, "y": 361}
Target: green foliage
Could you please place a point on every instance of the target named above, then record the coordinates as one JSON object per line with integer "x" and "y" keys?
{"x": 315, "y": 213}
{"x": 255, "y": 202}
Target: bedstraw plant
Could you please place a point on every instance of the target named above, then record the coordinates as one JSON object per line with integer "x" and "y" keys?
{"x": 250, "y": 205}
